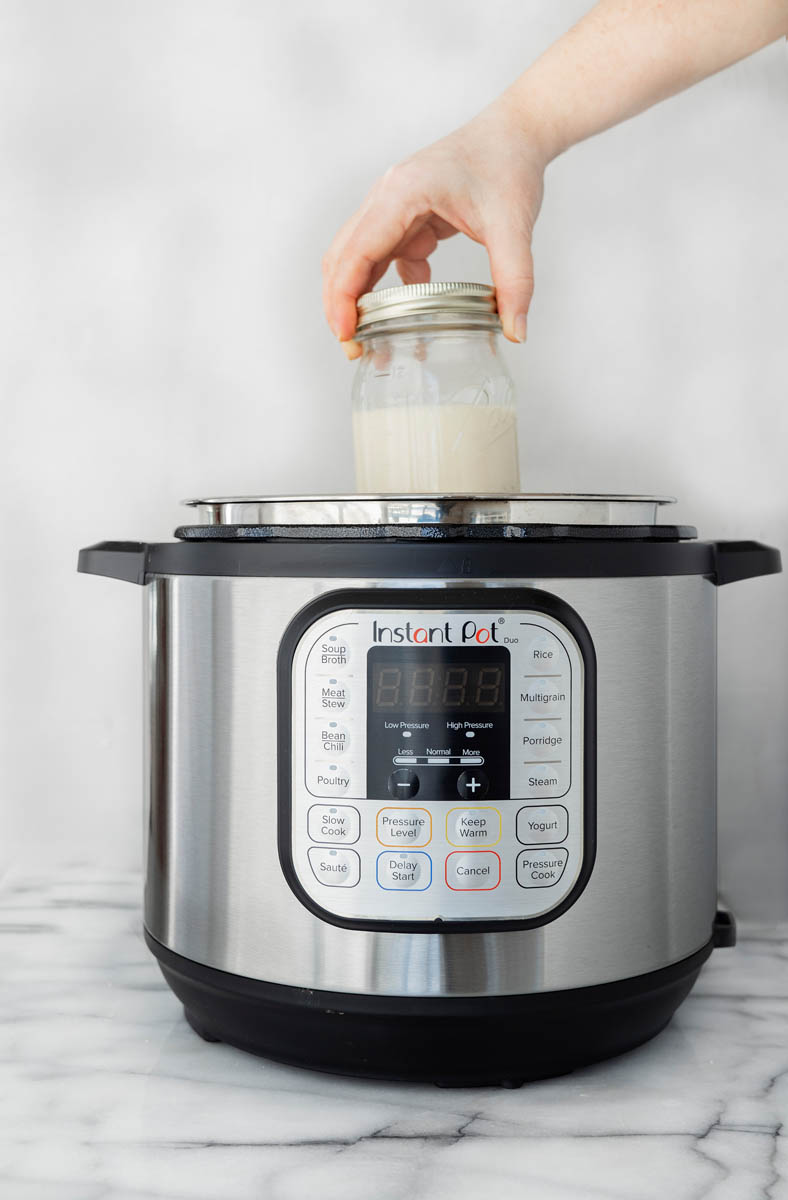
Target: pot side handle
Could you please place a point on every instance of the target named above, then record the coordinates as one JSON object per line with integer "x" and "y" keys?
{"x": 115, "y": 560}
{"x": 743, "y": 560}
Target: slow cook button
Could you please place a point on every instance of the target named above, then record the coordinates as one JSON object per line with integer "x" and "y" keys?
{"x": 333, "y": 739}
{"x": 537, "y": 824}
{"x": 404, "y": 826}
{"x": 541, "y": 868}
{"x": 335, "y": 868}
{"x": 542, "y": 740}
{"x": 473, "y": 826}
{"x": 404, "y": 870}
{"x": 333, "y": 824}
{"x": 544, "y": 697}
{"x": 473, "y": 870}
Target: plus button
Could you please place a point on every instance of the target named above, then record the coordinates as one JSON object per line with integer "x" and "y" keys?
{"x": 473, "y": 785}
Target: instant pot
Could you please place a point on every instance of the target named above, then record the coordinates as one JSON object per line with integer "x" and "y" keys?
{"x": 431, "y": 782}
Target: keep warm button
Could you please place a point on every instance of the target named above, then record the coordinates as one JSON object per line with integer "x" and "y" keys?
{"x": 541, "y": 868}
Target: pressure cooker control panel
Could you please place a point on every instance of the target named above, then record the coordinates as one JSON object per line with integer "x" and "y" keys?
{"x": 438, "y": 767}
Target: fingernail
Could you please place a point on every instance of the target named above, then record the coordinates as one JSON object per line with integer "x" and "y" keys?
{"x": 352, "y": 349}
{"x": 520, "y": 327}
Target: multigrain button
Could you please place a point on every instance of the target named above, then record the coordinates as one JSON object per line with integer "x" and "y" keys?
{"x": 333, "y": 823}
{"x": 541, "y": 868}
{"x": 542, "y": 824}
{"x": 335, "y": 868}
{"x": 542, "y": 740}
{"x": 404, "y": 827}
{"x": 473, "y": 870}
{"x": 544, "y": 697}
{"x": 404, "y": 870}
{"x": 473, "y": 826}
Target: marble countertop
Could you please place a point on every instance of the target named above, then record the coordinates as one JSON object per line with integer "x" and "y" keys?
{"x": 106, "y": 1094}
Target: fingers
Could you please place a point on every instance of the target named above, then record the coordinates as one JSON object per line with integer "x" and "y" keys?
{"x": 511, "y": 264}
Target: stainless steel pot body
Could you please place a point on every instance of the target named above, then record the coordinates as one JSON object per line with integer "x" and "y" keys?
{"x": 215, "y": 892}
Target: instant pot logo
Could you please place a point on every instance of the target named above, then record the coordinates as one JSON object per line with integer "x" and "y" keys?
{"x": 431, "y": 635}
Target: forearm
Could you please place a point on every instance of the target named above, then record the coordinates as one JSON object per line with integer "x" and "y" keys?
{"x": 626, "y": 55}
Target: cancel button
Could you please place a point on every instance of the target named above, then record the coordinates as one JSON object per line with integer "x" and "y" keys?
{"x": 541, "y": 868}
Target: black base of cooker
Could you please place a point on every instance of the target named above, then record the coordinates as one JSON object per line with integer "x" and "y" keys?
{"x": 453, "y": 1041}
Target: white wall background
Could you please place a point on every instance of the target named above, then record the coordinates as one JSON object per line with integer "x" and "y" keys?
{"x": 171, "y": 174}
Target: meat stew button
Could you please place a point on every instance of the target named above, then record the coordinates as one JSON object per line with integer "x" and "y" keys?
{"x": 335, "y": 868}
{"x": 541, "y": 868}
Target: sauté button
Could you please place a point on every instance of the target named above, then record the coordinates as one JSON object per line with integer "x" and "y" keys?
{"x": 473, "y": 826}
{"x": 403, "y": 784}
{"x": 404, "y": 870}
{"x": 542, "y": 824}
{"x": 473, "y": 785}
{"x": 473, "y": 870}
{"x": 329, "y": 823}
{"x": 404, "y": 827}
{"x": 335, "y": 868}
{"x": 541, "y": 868}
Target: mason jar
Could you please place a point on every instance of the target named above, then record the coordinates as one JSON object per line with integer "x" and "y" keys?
{"x": 433, "y": 400}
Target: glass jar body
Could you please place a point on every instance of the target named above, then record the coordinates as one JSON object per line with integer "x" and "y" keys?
{"x": 434, "y": 411}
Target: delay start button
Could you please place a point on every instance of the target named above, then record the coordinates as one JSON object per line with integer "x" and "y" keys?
{"x": 404, "y": 870}
{"x": 541, "y": 868}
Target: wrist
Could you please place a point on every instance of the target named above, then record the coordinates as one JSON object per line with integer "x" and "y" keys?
{"x": 535, "y": 117}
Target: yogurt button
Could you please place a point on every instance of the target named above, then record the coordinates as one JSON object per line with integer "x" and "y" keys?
{"x": 542, "y": 824}
{"x": 404, "y": 871}
{"x": 335, "y": 868}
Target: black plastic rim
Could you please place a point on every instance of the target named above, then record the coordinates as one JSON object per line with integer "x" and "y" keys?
{"x": 452, "y": 1041}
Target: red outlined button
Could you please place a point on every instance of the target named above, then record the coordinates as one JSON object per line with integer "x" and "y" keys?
{"x": 473, "y": 870}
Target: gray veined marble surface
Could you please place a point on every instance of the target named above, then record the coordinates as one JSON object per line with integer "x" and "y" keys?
{"x": 106, "y": 1093}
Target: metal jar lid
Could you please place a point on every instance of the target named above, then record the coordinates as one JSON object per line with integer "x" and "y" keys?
{"x": 455, "y": 304}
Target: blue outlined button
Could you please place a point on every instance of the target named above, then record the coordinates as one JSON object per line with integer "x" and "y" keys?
{"x": 404, "y": 870}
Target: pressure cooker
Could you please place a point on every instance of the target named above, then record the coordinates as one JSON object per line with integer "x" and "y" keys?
{"x": 430, "y": 782}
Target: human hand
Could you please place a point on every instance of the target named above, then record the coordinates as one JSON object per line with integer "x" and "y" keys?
{"x": 484, "y": 180}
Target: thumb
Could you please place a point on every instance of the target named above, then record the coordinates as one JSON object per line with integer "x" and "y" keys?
{"x": 512, "y": 267}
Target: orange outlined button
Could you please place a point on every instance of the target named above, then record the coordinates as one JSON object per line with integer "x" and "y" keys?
{"x": 397, "y": 826}
{"x": 473, "y": 826}
{"x": 473, "y": 870}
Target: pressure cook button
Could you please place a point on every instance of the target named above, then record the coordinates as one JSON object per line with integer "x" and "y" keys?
{"x": 403, "y": 784}
{"x": 327, "y": 823}
{"x": 541, "y": 868}
{"x": 473, "y": 870}
{"x": 332, "y": 650}
{"x": 333, "y": 739}
{"x": 404, "y": 870}
{"x": 404, "y": 827}
{"x": 473, "y": 826}
{"x": 544, "y": 697}
{"x": 335, "y": 868}
{"x": 473, "y": 785}
{"x": 537, "y": 824}
{"x": 542, "y": 740}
